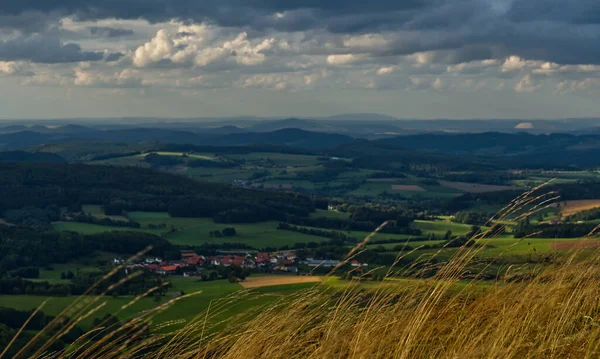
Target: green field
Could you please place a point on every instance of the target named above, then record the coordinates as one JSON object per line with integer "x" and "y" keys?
{"x": 224, "y": 175}
{"x": 440, "y": 228}
{"x": 374, "y": 189}
{"x": 280, "y": 159}
{"x": 93, "y": 263}
{"x": 504, "y": 249}
{"x": 409, "y": 244}
{"x": 185, "y": 309}
{"x": 138, "y": 216}
{"x": 98, "y": 212}
{"x": 216, "y": 294}
{"x": 88, "y": 228}
{"x": 257, "y": 235}
{"x": 196, "y": 231}
{"x": 319, "y": 213}
{"x": 203, "y": 156}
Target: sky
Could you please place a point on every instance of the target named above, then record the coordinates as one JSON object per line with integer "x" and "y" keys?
{"x": 302, "y": 58}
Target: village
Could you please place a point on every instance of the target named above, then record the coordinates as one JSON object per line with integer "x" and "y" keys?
{"x": 192, "y": 264}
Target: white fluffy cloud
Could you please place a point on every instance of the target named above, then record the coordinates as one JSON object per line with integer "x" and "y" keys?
{"x": 14, "y": 68}
{"x": 385, "y": 70}
{"x": 125, "y": 78}
{"x": 346, "y": 59}
{"x": 202, "y": 46}
{"x": 527, "y": 84}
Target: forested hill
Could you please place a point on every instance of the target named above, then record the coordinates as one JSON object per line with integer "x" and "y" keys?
{"x": 291, "y": 137}
{"x": 132, "y": 188}
{"x": 474, "y": 150}
{"x": 492, "y": 143}
{"x": 23, "y": 156}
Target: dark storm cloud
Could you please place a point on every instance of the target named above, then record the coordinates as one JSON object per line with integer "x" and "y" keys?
{"x": 110, "y": 32}
{"x": 575, "y": 12}
{"x": 46, "y": 49}
{"x": 226, "y": 12}
{"x": 116, "y": 56}
{"x": 27, "y": 22}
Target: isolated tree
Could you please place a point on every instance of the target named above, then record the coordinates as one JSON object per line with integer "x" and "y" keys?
{"x": 229, "y": 232}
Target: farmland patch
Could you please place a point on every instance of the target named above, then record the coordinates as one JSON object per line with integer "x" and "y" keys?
{"x": 407, "y": 187}
{"x": 257, "y": 282}
{"x": 476, "y": 187}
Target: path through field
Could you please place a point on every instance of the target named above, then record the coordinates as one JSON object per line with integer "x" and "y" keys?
{"x": 573, "y": 207}
{"x": 564, "y": 245}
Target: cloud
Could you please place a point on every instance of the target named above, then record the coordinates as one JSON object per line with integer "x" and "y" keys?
{"x": 515, "y": 63}
{"x": 450, "y": 32}
{"x": 527, "y": 84}
{"x": 124, "y": 79}
{"x": 346, "y": 59}
{"x": 473, "y": 67}
{"x": 283, "y": 81}
{"x": 201, "y": 47}
{"x": 15, "y": 68}
{"x": 27, "y": 22}
{"x": 429, "y": 45}
{"x": 46, "y": 49}
{"x": 110, "y": 32}
{"x": 222, "y": 12}
{"x": 573, "y": 12}
{"x": 385, "y": 70}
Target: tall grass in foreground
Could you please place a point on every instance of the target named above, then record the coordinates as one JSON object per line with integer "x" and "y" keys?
{"x": 555, "y": 314}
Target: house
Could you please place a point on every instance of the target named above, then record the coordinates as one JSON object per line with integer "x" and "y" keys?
{"x": 248, "y": 263}
{"x": 325, "y": 263}
{"x": 214, "y": 260}
{"x": 194, "y": 260}
{"x": 153, "y": 267}
{"x": 262, "y": 259}
{"x": 192, "y": 274}
{"x": 238, "y": 261}
{"x": 151, "y": 260}
{"x": 290, "y": 256}
{"x": 356, "y": 263}
{"x": 291, "y": 269}
{"x": 227, "y": 261}
{"x": 118, "y": 261}
{"x": 168, "y": 270}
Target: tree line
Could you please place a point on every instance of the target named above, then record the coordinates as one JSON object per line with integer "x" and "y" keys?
{"x": 140, "y": 189}
{"x": 23, "y": 247}
{"x": 313, "y": 231}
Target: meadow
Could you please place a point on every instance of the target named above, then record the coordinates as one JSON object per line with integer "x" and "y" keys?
{"x": 201, "y": 295}
{"x": 196, "y": 231}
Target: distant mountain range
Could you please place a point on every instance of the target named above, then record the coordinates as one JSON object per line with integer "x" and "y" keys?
{"x": 505, "y": 150}
{"x": 580, "y": 137}
{"x": 370, "y": 126}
